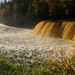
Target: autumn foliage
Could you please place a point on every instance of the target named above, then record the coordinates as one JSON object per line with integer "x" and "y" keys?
{"x": 36, "y": 10}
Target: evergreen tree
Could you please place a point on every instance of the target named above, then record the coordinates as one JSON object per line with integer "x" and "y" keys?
{"x": 1, "y": 5}
{"x": 5, "y": 1}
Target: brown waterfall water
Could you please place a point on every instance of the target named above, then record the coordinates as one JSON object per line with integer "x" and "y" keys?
{"x": 64, "y": 30}
{"x": 21, "y": 44}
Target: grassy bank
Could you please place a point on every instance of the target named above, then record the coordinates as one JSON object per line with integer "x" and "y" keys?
{"x": 66, "y": 67}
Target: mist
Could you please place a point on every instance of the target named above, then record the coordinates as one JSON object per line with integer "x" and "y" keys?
{"x": 22, "y": 44}
{"x": 19, "y": 26}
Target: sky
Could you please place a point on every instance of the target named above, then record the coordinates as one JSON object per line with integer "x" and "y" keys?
{"x": 3, "y": 0}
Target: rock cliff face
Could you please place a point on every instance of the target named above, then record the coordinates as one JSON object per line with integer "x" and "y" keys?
{"x": 59, "y": 29}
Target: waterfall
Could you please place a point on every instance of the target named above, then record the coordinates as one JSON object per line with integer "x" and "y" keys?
{"x": 59, "y": 29}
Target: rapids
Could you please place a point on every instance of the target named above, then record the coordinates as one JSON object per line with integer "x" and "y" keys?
{"x": 21, "y": 44}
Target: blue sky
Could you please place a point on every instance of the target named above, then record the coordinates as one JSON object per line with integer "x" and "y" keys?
{"x": 3, "y": 0}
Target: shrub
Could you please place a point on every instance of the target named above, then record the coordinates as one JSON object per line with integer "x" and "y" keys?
{"x": 66, "y": 67}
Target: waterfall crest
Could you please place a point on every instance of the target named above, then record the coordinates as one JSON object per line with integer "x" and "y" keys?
{"x": 64, "y": 30}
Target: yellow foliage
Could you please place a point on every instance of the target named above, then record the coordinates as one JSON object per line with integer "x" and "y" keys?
{"x": 67, "y": 65}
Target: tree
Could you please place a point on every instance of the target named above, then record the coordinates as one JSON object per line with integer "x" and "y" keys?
{"x": 5, "y": 2}
{"x": 1, "y": 5}
{"x": 41, "y": 9}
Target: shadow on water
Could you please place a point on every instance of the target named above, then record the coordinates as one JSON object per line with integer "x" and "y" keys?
{"x": 26, "y": 21}
{"x": 19, "y": 22}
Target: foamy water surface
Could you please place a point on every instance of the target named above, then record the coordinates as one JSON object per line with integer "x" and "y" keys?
{"x": 21, "y": 44}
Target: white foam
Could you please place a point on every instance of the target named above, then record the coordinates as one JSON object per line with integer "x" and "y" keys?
{"x": 21, "y": 42}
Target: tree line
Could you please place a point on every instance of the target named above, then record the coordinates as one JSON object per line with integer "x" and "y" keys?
{"x": 19, "y": 11}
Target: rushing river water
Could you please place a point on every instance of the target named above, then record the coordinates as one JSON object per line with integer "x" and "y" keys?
{"x": 21, "y": 44}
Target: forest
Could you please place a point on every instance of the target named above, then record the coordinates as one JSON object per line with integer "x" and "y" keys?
{"x": 25, "y": 13}
{"x": 45, "y": 49}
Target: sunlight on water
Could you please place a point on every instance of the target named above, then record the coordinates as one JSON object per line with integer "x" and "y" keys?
{"x": 64, "y": 30}
{"x": 22, "y": 42}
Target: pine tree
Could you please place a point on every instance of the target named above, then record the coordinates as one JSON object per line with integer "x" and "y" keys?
{"x": 5, "y": 1}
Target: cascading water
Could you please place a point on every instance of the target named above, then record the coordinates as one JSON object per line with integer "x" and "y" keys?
{"x": 21, "y": 44}
{"x": 64, "y": 30}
